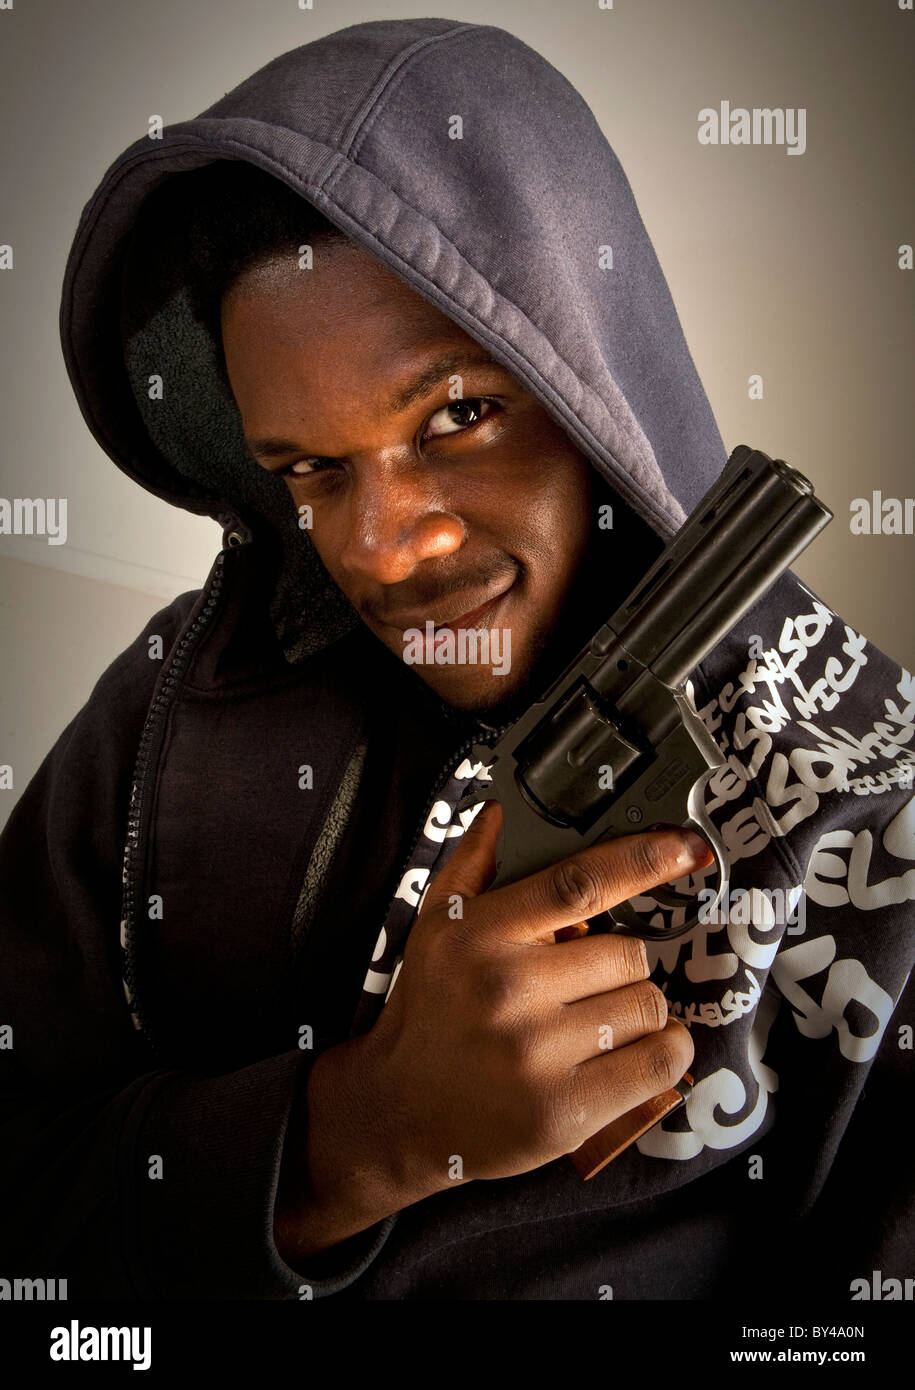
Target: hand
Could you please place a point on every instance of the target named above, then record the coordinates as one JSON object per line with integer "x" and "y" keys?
{"x": 504, "y": 1047}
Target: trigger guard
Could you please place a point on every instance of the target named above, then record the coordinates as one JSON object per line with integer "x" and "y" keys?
{"x": 624, "y": 915}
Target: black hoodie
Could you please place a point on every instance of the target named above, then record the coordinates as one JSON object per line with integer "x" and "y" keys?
{"x": 143, "y": 1121}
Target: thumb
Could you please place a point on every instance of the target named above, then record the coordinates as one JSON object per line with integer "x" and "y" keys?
{"x": 472, "y": 866}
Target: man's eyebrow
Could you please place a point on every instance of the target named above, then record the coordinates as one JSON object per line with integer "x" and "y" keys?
{"x": 430, "y": 376}
{"x": 422, "y": 384}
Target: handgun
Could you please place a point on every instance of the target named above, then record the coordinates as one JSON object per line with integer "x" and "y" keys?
{"x": 614, "y": 745}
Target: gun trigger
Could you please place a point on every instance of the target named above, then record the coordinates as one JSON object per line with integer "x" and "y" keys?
{"x": 698, "y": 732}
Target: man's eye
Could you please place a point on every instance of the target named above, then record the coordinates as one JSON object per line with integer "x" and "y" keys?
{"x": 459, "y": 415}
{"x": 455, "y": 417}
{"x": 302, "y": 467}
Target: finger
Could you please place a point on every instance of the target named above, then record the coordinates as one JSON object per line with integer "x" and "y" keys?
{"x": 615, "y": 1082}
{"x": 591, "y": 965}
{"x": 592, "y": 1027}
{"x": 472, "y": 866}
{"x": 587, "y": 883}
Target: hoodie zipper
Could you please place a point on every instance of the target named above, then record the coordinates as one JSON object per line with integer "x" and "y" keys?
{"x": 148, "y": 752}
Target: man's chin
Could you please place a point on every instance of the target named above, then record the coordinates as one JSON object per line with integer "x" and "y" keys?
{"x": 490, "y": 698}
{"x": 477, "y": 695}
{"x": 496, "y": 697}
{"x": 484, "y": 691}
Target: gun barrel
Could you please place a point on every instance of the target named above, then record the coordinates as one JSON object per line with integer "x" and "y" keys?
{"x": 744, "y": 534}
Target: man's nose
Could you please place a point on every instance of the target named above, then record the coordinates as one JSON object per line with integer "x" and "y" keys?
{"x": 397, "y": 519}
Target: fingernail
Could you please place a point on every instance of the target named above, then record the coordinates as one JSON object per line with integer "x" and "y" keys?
{"x": 695, "y": 850}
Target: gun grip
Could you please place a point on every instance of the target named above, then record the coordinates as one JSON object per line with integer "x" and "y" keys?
{"x": 595, "y": 1153}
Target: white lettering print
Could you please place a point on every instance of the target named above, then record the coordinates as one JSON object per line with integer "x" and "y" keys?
{"x": 899, "y": 835}
{"x": 412, "y": 886}
{"x": 466, "y": 769}
{"x": 833, "y": 882}
{"x": 768, "y": 787}
{"x": 799, "y": 798}
{"x": 901, "y": 775}
{"x": 722, "y": 1092}
{"x": 834, "y": 682}
{"x": 376, "y": 981}
{"x": 825, "y": 768}
{"x": 443, "y": 822}
{"x": 797, "y": 637}
{"x": 847, "y": 981}
{"x": 718, "y": 1013}
{"x": 439, "y": 825}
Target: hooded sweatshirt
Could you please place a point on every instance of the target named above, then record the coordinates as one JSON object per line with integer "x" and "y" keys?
{"x": 179, "y": 912}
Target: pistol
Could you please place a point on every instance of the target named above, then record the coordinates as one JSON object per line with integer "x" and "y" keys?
{"x": 614, "y": 746}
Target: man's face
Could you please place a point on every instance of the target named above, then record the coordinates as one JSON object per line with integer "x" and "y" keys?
{"x": 437, "y": 484}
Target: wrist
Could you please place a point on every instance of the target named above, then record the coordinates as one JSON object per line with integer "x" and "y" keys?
{"x": 348, "y": 1161}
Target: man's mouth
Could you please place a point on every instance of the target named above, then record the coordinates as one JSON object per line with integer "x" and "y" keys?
{"x": 475, "y": 617}
{"x": 483, "y": 613}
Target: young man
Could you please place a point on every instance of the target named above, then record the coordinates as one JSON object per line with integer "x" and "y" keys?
{"x": 419, "y": 409}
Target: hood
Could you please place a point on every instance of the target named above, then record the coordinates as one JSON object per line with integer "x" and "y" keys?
{"x": 505, "y": 230}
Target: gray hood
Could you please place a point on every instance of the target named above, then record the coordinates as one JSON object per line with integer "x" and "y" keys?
{"x": 505, "y": 230}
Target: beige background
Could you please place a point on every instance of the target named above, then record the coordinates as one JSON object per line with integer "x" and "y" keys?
{"x": 779, "y": 264}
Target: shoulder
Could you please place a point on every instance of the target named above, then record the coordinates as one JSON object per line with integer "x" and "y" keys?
{"x": 794, "y": 670}
{"x": 812, "y": 717}
{"x": 99, "y": 743}
{"x": 138, "y": 665}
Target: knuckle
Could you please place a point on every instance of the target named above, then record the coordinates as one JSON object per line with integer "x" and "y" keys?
{"x": 649, "y": 860}
{"x": 659, "y": 1065}
{"x": 650, "y": 1007}
{"x": 447, "y": 946}
{"x": 499, "y": 988}
{"x": 507, "y": 989}
{"x": 575, "y": 887}
{"x": 636, "y": 956}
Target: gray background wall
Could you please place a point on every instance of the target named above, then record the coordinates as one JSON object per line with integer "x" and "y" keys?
{"x": 780, "y": 265}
